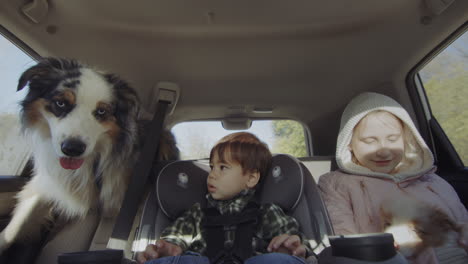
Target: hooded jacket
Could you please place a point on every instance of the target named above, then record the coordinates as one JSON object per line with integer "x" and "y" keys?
{"x": 354, "y": 194}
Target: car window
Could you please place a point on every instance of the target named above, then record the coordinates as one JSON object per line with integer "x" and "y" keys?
{"x": 445, "y": 80}
{"x": 14, "y": 151}
{"x": 195, "y": 139}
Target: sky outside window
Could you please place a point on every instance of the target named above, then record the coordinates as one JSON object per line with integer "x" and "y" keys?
{"x": 13, "y": 62}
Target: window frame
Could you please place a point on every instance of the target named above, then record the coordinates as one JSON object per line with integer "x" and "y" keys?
{"x": 19, "y": 43}
{"x": 430, "y": 128}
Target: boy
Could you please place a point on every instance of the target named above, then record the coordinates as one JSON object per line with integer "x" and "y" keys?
{"x": 238, "y": 162}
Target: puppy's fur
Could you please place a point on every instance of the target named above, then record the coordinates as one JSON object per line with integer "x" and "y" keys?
{"x": 83, "y": 129}
{"x": 416, "y": 225}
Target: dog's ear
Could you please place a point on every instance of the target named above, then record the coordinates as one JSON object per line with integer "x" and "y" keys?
{"x": 47, "y": 73}
{"x": 128, "y": 103}
{"x": 125, "y": 111}
{"x": 36, "y": 72}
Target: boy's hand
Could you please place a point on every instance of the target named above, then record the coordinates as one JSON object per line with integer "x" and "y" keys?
{"x": 287, "y": 244}
{"x": 161, "y": 249}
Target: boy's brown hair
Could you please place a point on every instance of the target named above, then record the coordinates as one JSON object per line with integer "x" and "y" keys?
{"x": 245, "y": 149}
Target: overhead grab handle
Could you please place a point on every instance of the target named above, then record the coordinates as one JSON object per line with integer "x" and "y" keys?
{"x": 36, "y": 10}
{"x": 438, "y": 6}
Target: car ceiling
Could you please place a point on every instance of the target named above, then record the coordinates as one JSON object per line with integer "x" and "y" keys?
{"x": 304, "y": 59}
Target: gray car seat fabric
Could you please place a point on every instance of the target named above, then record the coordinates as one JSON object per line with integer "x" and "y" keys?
{"x": 182, "y": 183}
{"x": 284, "y": 183}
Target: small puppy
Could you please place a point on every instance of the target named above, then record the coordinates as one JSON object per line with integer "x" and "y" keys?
{"x": 416, "y": 225}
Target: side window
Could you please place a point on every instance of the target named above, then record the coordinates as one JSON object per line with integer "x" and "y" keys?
{"x": 14, "y": 151}
{"x": 195, "y": 139}
{"x": 445, "y": 80}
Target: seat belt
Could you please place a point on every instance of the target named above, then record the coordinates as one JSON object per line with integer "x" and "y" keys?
{"x": 135, "y": 190}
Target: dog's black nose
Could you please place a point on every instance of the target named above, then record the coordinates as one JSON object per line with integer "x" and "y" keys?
{"x": 73, "y": 147}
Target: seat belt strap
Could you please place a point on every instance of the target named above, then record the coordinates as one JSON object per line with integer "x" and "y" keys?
{"x": 133, "y": 196}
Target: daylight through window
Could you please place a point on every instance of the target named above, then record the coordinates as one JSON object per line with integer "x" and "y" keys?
{"x": 195, "y": 139}
{"x": 14, "y": 151}
{"x": 445, "y": 80}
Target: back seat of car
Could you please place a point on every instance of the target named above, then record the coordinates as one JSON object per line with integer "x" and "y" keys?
{"x": 319, "y": 165}
{"x": 82, "y": 235}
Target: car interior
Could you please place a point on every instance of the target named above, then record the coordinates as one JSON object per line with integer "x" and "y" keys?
{"x": 237, "y": 62}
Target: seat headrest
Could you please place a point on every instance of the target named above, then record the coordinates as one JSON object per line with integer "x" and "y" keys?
{"x": 284, "y": 183}
{"x": 181, "y": 184}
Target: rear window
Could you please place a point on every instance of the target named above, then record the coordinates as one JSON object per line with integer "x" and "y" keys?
{"x": 195, "y": 139}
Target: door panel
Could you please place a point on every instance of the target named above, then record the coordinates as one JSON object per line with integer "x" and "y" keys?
{"x": 9, "y": 187}
{"x": 449, "y": 164}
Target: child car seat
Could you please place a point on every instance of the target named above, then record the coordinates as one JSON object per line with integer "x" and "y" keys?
{"x": 288, "y": 184}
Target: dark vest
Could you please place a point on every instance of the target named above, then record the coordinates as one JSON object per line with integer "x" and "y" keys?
{"x": 229, "y": 238}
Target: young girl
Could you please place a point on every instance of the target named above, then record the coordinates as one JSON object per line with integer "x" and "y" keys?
{"x": 382, "y": 157}
{"x": 238, "y": 163}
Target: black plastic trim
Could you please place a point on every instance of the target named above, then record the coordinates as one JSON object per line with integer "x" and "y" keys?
{"x": 19, "y": 43}
{"x": 427, "y": 127}
{"x": 10, "y": 183}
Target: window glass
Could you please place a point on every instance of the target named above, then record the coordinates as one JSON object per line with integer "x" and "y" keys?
{"x": 14, "y": 152}
{"x": 195, "y": 139}
{"x": 445, "y": 80}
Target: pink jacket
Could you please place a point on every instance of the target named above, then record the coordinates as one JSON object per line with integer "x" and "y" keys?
{"x": 353, "y": 201}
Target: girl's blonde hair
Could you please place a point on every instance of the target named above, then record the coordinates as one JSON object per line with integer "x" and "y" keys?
{"x": 413, "y": 152}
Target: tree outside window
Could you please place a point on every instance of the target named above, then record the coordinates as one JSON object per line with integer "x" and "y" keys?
{"x": 445, "y": 80}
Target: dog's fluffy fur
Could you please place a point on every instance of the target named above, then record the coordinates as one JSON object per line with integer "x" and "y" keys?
{"x": 416, "y": 225}
{"x": 83, "y": 129}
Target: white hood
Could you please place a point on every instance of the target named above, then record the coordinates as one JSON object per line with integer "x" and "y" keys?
{"x": 418, "y": 158}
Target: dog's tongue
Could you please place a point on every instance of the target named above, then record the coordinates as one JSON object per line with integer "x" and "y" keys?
{"x": 70, "y": 163}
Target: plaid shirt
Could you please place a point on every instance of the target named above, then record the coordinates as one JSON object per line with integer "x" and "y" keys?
{"x": 186, "y": 230}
